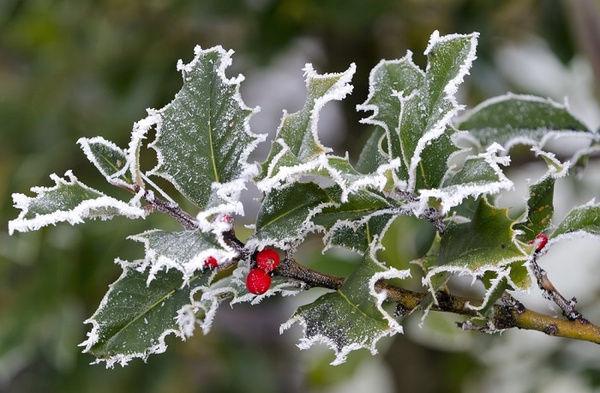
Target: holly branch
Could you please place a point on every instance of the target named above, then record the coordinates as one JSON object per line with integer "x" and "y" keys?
{"x": 510, "y": 314}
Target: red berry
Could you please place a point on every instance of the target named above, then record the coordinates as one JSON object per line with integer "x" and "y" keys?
{"x": 267, "y": 260}
{"x": 211, "y": 262}
{"x": 540, "y": 242}
{"x": 258, "y": 282}
{"x": 226, "y": 218}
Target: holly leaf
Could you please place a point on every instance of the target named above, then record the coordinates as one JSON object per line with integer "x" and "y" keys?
{"x": 540, "y": 205}
{"x": 479, "y": 175}
{"x": 108, "y": 158}
{"x": 135, "y": 316}
{"x": 484, "y": 244}
{"x": 520, "y": 119}
{"x": 415, "y": 108}
{"x": 372, "y": 155}
{"x": 287, "y": 215}
{"x": 68, "y": 201}
{"x": 389, "y": 82}
{"x": 284, "y": 215}
{"x": 358, "y": 223}
{"x": 582, "y": 220}
{"x": 297, "y": 150}
{"x": 185, "y": 251}
{"x": 203, "y": 137}
{"x": 352, "y": 317}
{"x": 540, "y": 209}
{"x": 297, "y": 145}
{"x": 358, "y": 234}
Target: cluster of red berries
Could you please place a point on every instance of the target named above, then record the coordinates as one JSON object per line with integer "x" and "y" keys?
{"x": 259, "y": 278}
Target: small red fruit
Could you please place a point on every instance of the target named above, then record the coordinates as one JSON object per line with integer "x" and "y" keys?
{"x": 267, "y": 260}
{"x": 540, "y": 242}
{"x": 258, "y": 282}
{"x": 211, "y": 262}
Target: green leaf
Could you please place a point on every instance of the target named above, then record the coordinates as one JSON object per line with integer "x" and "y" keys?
{"x": 297, "y": 142}
{"x": 415, "y": 108}
{"x": 357, "y": 223}
{"x": 483, "y": 245}
{"x": 540, "y": 209}
{"x": 135, "y": 317}
{"x": 284, "y": 215}
{"x": 357, "y": 235}
{"x": 427, "y": 114}
{"x": 185, "y": 251}
{"x": 388, "y": 82}
{"x": 203, "y": 138}
{"x": 288, "y": 214}
{"x": 297, "y": 151}
{"x": 372, "y": 155}
{"x": 486, "y": 241}
{"x": 107, "y": 157}
{"x": 70, "y": 201}
{"x": 520, "y": 119}
{"x": 582, "y": 219}
{"x": 479, "y": 175}
{"x": 352, "y": 317}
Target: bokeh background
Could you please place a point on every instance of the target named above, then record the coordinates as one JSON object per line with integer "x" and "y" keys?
{"x": 71, "y": 69}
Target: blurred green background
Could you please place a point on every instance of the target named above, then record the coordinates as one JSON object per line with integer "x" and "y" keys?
{"x": 71, "y": 69}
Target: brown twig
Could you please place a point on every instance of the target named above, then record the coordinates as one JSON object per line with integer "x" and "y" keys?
{"x": 551, "y": 293}
{"x": 510, "y": 314}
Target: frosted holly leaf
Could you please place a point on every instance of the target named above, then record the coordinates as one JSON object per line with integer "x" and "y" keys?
{"x": 521, "y": 119}
{"x": 108, "y": 158}
{"x": 68, "y": 201}
{"x": 427, "y": 113}
{"x": 484, "y": 244}
{"x": 540, "y": 205}
{"x": 480, "y": 175}
{"x": 358, "y": 222}
{"x": 372, "y": 156}
{"x": 297, "y": 144}
{"x": 388, "y": 81}
{"x": 357, "y": 235}
{"x": 185, "y": 251}
{"x": 540, "y": 209}
{"x": 134, "y": 317}
{"x": 297, "y": 150}
{"x": 351, "y": 318}
{"x": 284, "y": 215}
{"x": 425, "y": 106}
{"x": 203, "y": 137}
{"x": 581, "y": 221}
{"x": 288, "y": 214}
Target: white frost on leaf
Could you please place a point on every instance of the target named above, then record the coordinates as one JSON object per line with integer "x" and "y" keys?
{"x": 556, "y": 168}
{"x": 520, "y": 119}
{"x": 119, "y": 168}
{"x": 297, "y": 150}
{"x": 68, "y": 201}
{"x": 352, "y": 318}
{"x": 203, "y": 137}
{"x": 151, "y": 327}
{"x": 381, "y": 296}
{"x": 450, "y": 89}
{"x": 138, "y": 135}
{"x": 453, "y": 195}
{"x": 185, "y": 251}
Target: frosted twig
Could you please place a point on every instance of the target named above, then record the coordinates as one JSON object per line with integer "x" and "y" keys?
{"x": 551, "y": 293}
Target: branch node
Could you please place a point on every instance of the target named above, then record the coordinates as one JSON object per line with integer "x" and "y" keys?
{"x": 551, "y": 330}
